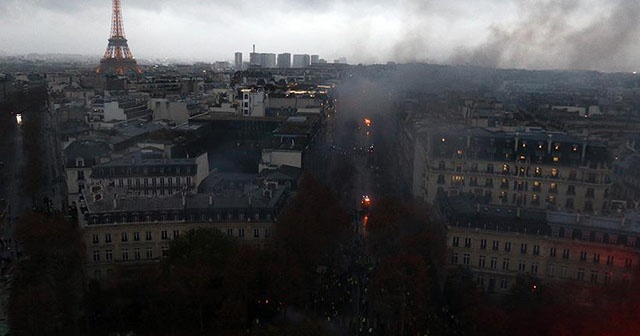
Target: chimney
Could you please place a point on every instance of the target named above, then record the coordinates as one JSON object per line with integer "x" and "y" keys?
{"x": 254, "y": 48}
{"x": 210, "y": 199}
{"x": 115, "y": 201}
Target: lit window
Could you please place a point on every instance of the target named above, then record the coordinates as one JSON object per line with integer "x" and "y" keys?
{"x": 554, "y": 172}
{"x": 459, "y": 152}
{"x": 556, "y": 159}
{"x": 443, "y": 140}
{"x": 556, "y": 147}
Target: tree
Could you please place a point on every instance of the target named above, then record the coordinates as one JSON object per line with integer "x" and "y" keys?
{"x": 194, "y": 275}
{"x": 51, "y": 272}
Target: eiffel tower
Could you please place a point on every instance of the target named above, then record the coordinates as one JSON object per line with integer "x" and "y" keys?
{"x": 117, "y": 58}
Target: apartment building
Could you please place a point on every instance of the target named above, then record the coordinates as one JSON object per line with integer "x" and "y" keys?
{"x": 528, "y": 168}
{"x": 499, "y": 244}
{"x": 149, "y": 171}
{"x": 123, "y": 230}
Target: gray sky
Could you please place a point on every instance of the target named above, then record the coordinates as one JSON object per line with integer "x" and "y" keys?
{"x": 533, "y": 34}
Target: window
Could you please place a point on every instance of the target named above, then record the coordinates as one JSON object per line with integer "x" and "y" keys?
{"x": 551, "y": 270}
{"x": 554, "y": 172}
{"x": 136, "y": 253}
{"x": 165, "y": 251}
{"x": 536, "y": 249}
{"x": 496, "y": 245}
{"x": 563, "y": 272}
{"x": 124, "y": 237}
{"x": 457, "y": 180}
{"x": 580, "y": 274}
{"x": 507, "y": 247}
{"x": 483, "y": 244}
{"x": 454, "y": 258}
{"x": 267, "y": 233}
{"x": 455, "y": 242}
{"x": 610, "y": 260}
{"x": 441, "y": 179}
{"x": 628, "y": 262}
{"x": 569, "y": 203}
{"x": 534, "y": 268}
{"x": 441, "y": 165}
{"x": 96, "y": 256}
{"x": 505, "y": 168}
{"x": 565, "y": 254}
{"x": 108, "y": 254}
{"x": 467, "y": 242}
{"x": 553, "y": 187}
{"x": 571, "y": 190}
{"x": 535, "y": 199}
{"x": 80, "y": 175}
{"x": 594, "y": 276}
{"x": 504, "y": 283}
{"x": 95, "y": 239}
{"x": 482, "y": 261}
{"x": 488, "y": 183}
{"x": 504, "y": 183}
{"x": 596, "y": 258}
{"x": 490, "y": 168}
{"x": 176, "y": 233}
{"x": 523, "y": 248}
{"x": 465, "y": 258}
{"x": 505, "y": 264}
{"x": 522, "y": 266}
{"x": 631, "y": 241}
{"x": 149, "y": 252}
{"x": 536, "y": 185}
{"x": 107, "y": 237}
{"x": 136, "y": 236}
{"x": 590, "y": 193}
{"x": 241, "y": 233}
{"x": 583, "y": 255}
{"x": 552, "y": 252}
{"x": 148, "y": 235}
{"x": 229, "y": 232}
{"x": 256, "y": 233}
{"x": 164, "y": 235}
{"x": 125, "y": 254}
{"x": 494, "y": 263}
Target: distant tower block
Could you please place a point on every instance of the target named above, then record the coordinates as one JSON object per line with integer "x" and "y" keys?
{"x": 118, "y": 58}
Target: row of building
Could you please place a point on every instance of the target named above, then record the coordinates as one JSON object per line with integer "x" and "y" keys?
{"x": 282, "y": 61}
{"x": 141, "y": 164}
{"x": 518, "y": 198}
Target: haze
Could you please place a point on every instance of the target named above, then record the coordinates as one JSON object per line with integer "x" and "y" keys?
{"x": 559, "y": 34}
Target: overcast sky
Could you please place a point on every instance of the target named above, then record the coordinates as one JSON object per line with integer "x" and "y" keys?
{"x": 533, "y": 34}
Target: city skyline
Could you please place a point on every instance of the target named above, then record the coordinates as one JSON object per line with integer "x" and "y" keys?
{"x": 589, "y": 35}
